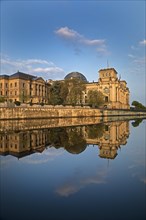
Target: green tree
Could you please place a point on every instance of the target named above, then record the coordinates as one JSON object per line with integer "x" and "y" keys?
{"x": 138, "y": 105}
{"x": 75, "y": 93}
{"x": 66, "y": 92}
{"x": 54, "y": 93}
{"x": 58, "y": 93}
{"x": 95, "y": 98}
{"x": 2, "y": 99}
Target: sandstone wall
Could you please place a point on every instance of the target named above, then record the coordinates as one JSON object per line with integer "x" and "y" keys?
{"x": 62, "y": 112}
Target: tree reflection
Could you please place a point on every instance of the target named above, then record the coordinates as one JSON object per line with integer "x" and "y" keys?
{"x": 95, "y": 131}
{"x": 137, "y": 122}
{"x": 76, "y": 142}
{"x": 58, "y": 137}
{"x": 108, "y": 137}
{"x": 69, "y": 138}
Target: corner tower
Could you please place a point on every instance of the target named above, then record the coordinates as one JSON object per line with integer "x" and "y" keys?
{"x": 108, "y": 74}
{"x": 115, "y": 90}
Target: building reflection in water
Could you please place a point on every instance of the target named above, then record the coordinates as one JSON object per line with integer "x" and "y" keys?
{"x": 115, "y": 134}
{"x": 108, "y": 137}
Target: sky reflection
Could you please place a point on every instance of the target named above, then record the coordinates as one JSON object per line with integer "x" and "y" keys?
{"x": 106, "y": 170}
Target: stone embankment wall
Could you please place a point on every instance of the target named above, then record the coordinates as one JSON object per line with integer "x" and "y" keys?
{"x": 123, "y": 113}
{"x": 60, "y": 112}
{"x": 44, "y": 112}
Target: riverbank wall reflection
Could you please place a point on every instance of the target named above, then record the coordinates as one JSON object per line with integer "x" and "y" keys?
{"x": 108, "y": 137}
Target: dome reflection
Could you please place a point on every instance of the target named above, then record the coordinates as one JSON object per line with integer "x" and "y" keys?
{"x": 108, "y": 137}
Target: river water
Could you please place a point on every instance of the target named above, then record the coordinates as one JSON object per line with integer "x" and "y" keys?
{"x": 84, "y": 172}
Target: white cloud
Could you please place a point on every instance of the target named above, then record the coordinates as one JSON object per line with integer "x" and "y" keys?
{"x": 77, "y": 182}
{"x": 140, "y": 60}
{"x": 47, "y": 155}
{"x": 6, "y": 162}
{"x": 75, "y": 37}
{"x": 93, "y": 42}
{"x": 134, "y": 48}
{"x": 131, "y": 56}
{"x": 38, "y": 61}
{"x": 103, "y": 50}
{"x": 67, "y": 33}
{"x": 67, "y": 190}
{"x": 43, "y": 68}
{"x": 144, "y": 180}
{"x": 53, "y": 70}
{"x": 143, "y": 42}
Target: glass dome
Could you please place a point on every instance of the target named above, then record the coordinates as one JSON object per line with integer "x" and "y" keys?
{"x": 77, "y": 75}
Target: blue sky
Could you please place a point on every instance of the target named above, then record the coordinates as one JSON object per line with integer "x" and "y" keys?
{"x": 52, "y": 38}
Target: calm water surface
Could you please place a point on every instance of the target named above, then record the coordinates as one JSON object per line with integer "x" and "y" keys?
{"x": 74, "y": 173}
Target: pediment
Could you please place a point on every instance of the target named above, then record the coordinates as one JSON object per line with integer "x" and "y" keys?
{"x": 40, "y": 79}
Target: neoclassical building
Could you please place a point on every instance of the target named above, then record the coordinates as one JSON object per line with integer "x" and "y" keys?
{"x": 24, "y": 88}
{"x": 28, "y": 88}
{"x": 115, "y": 91}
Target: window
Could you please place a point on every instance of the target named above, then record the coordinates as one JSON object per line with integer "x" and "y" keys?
{"x": 15, "y": 92}
{"x": 106, "y": 127}
{"x": 15, "y": 84}
{"x": 106, "y": 90}
{"x": 106, "y": 136}
{"x": 11, "y": 85}
{"x": 6, "y": 85}
{"x": 106, "y": 98}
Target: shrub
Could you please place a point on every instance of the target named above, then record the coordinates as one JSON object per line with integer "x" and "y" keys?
{"x": 2, "y": 99}
{"x": 17, "y": 103}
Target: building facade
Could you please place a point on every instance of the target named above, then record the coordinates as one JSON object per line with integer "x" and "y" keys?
{"x": 115, "y": 91}
{"x": 24, "y": 88}
{"x": 28, "y": 88}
